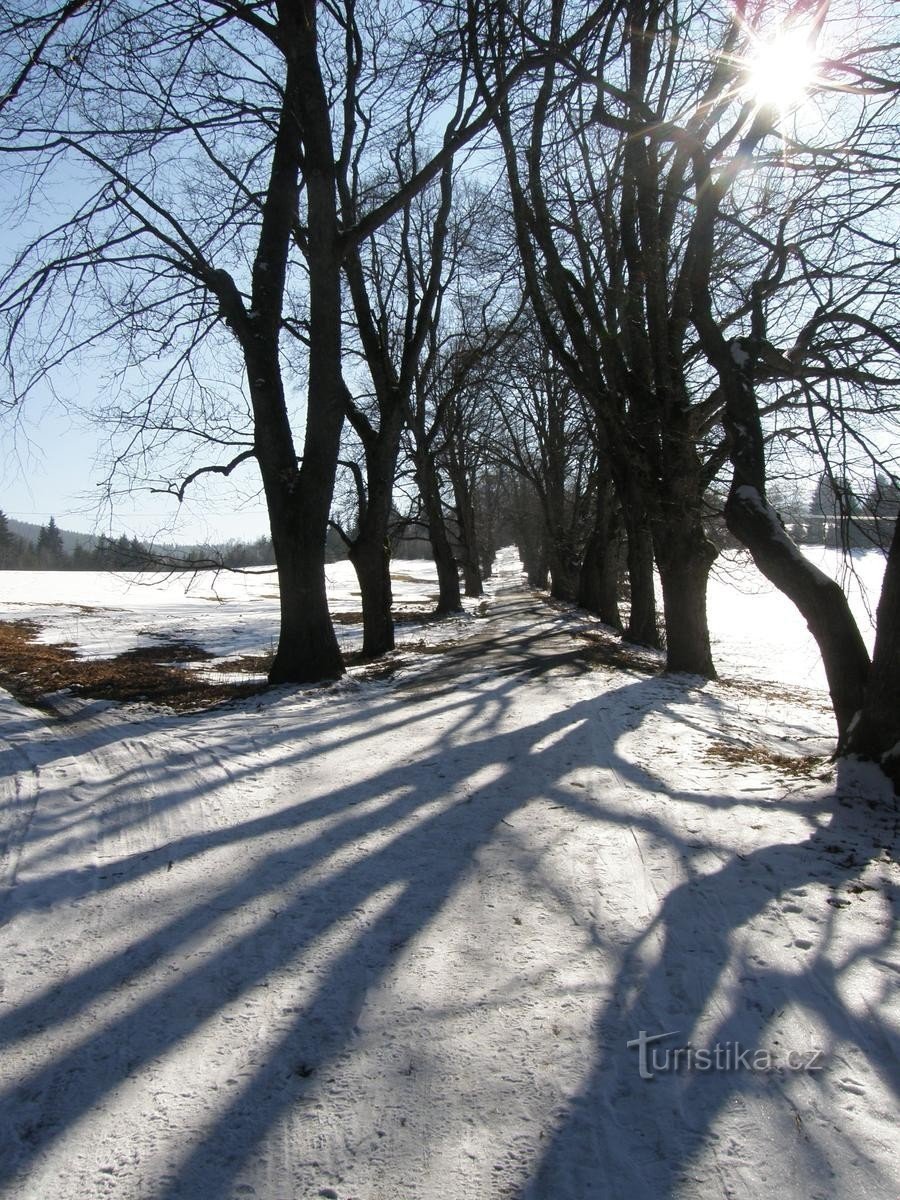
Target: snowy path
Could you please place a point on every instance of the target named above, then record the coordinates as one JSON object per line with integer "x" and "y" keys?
{"x": 389, "y": 941}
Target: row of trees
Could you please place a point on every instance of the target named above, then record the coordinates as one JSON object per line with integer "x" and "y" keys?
{"x": 554, "y": 267}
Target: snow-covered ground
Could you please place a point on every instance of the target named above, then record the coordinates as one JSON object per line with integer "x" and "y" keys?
{"x": 391, "y": 940}
{"x": 228, "y": 614}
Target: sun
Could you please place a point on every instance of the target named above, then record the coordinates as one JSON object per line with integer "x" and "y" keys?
{"x": 781, "y": 70}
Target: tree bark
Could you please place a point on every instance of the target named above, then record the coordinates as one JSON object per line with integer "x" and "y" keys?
{"x": 684, "y": 554}
{"x": 684, "y": 559}
{"x": 642, "y": 625}
{"x": 449, "y": 600}
{"x": 370, "y": 553}
{"x": 756, "y": 524}
{"x": 468, "y": 534}
{"x": 299, "y": 499}
{"x": 564, "y": 568}
{"x": 876, "y": 733}
{"x": 372, "y": 563}
{"x": 598, "y": 583}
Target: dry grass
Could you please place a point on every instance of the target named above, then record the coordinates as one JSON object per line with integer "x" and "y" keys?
{"x": 30, "y": 670}
{"x": 409, "y": 616}
{"x": 606, "y": 650}
{"x": 806, "y": 766}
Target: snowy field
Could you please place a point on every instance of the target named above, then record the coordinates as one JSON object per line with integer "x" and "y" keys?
{"x": 414, "y": 939}
{"x": 104, "y": 614}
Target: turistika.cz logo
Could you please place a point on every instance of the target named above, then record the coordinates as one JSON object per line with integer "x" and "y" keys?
{"x": 654, "y": 1058}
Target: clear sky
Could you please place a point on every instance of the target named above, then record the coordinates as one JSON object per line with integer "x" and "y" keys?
{"x": 53, "y": 464}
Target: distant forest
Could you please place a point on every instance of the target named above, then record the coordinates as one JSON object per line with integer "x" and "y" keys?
{"x": 833, "y": 516}
{"x": 25, "y": 547}
{"x": 47, "y": 551}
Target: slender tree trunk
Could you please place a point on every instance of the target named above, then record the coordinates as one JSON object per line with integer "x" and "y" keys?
{"x": 598, "y": 583}
{"x": 449, "y": 600}
{"x": 372, "y": 563}
{"x": 468, "y": 536}
{"x": 465, "y": 518}
{"x": 876, "y": 733}
{"x": 757, "y": 526}
{"x": 371, "y": 550}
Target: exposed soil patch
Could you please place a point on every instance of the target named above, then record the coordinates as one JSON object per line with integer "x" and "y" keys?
{"x": 30, "y": 670}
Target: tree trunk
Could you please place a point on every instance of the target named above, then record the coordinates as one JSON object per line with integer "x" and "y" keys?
{"x": 642, "y": 627}
{"x": 372, "y": 563}
{"x": 684, "y": 559}
{"x": 563, "y": 569}
{"x": 876, "y": 734}
{"x": 299, "y": 499}
{"x": 449, "y": 600}
{"x": 598, "y": 583}
{"x": 308, "y": 650}
{"x": 757, "y": 525}
{"x": 468, "y": 536}
{"x": 371, "y": 550}
{"x": 684, "y": 555}
{"x": 298, "y": 503}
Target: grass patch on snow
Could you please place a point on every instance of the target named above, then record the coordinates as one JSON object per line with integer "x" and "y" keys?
{"x": 31, "y": 670}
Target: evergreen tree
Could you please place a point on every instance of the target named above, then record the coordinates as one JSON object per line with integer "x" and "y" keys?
{"x": 50, "y": 550}
{"x": 10, "y": 546}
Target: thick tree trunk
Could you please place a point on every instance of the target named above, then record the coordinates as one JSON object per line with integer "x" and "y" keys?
{"x": 684, "y": 556}
{"x": 298, "y": 503}
{"x": 598, "y": 582}
{"x": 642, "y": 626}
{"x": 757, "y": 525}
{"x": 876, "y": 733}
{"x": 824, "y": 606}
{"x": 299, "y": 499}
{"x": 563, "y": 570}
{"x": 684, "y": 559}
{"x": 473, "y": 585}
{"x": 748, "y": 514}
{"x": 308, "y": 650}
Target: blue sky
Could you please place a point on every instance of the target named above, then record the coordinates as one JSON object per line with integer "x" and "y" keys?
{"x": 53, "y": 462}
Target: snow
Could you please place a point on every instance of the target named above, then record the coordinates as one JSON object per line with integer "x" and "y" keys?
{"x": 757, "y": 633}
{"x": 228, "y": 614}
{"x": 390, "y": 941}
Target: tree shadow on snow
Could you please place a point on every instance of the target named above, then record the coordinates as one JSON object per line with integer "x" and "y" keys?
{"x": 427, "y": 820}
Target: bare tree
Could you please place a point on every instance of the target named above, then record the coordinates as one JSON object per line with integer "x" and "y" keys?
{"x": 840, "y": 336}
{"x": 544, "y": 436}
{"x": 207, "y": 142}
{"x": 603, "y": 247}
